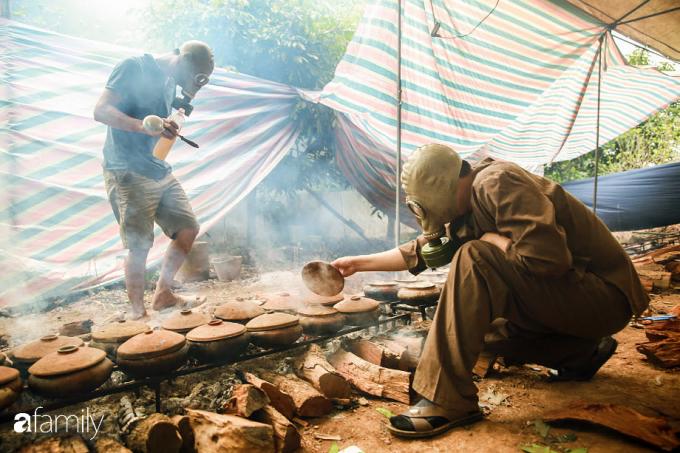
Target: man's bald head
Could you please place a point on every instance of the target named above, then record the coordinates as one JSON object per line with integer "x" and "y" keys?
{"x": 199, "y": 55}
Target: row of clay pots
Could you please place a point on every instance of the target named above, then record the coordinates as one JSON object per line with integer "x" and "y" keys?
{"x": 411, "y": 292}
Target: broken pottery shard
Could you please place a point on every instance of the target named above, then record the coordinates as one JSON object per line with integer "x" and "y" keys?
{"x": 323, "y": 279}
{"x": 653, "y": 430}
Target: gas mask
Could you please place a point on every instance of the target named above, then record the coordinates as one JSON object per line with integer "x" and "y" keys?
{"x": 430, "y": 182}
{"x": 188, "y": 94}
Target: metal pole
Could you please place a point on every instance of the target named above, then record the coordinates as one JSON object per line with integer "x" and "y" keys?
{"x": 6, "y": 11}
{"x": 597, "y": 128}
{"x": 397, "y": 220}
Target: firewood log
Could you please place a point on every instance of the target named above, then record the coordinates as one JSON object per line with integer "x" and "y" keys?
{"x": 184, "y": 426}
{"x": 69, "y": 444}
{"x": 664, "y": 353}
{"x": 282, "y": 401}
{"x": 229, "y": 433}
{"x": 315, "y": 369}
{"x": 108, "y": 445}
{"x": 246, "y": 399}
{"x": 371, "y": 378}
{"x": 154, "y": 434}
{"x": 308, "y": 401}
{"x": 286, "y": 435}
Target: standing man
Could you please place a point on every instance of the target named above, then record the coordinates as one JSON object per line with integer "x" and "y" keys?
{"x": 528, "y": 253}
{"x": 140, "y": 187}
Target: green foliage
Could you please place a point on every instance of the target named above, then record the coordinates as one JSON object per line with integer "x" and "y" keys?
{"x": 655, "y": 141}
{"x": 296, "y": 42}
{"x": 385, "y": 412}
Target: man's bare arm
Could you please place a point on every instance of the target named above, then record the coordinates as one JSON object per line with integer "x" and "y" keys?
{"x": 107, "y": 112}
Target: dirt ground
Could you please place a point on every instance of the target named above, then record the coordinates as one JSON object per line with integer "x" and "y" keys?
{"x": 514, "y": 397}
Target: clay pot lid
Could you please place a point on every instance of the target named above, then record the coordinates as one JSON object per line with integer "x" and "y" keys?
{"x": 150, "y": 344}
{"x": 8, "y": 374}
{"x": 67, "y": 359}
{"x": 420, "y": 285}
{"x": 119, "y": 331}
{"x": 357, "y": 304}
{"x": 185, "y": 320}
{"x": 238, "y": 311}
{"x": 315, "y": 299}
{"x": 317, "y": 311}
{"x": 405, "y": 281}
{"x": 323, "y": 279}
{"x": 272, "y": 321}
{"x": 383, "y": 283}
{"x": 279, "y": 302}
{"x": 35, "y": 350}
{"x": 216, "y": 330}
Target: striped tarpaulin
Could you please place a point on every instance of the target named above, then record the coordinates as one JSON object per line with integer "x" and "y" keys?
{"x": 521, "y": 86}
{"x": 58, "y": 231}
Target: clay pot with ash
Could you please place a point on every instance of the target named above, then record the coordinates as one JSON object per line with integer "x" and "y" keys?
{"x": 185, "y": 320}
{"x": 419, "y": 293}
{"x": 327, "y": 301}
{"x": 218, "y": 341}
{"x": 152, "y": 353}
{"x": 69, "y": 371}
{"x": 281, "y": 302}
{"x": 109, "y": 337}
{"x": 240, "y": 312}
{"x": 27, "y": 354}
{"x": 274, "y": 329}
{"x": 359, "y": 310}
{"x": 11, "y": 386}
{"x": 320, "y": 320}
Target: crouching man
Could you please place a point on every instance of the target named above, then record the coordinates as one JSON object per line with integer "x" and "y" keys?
{"x": 526, "y": 253}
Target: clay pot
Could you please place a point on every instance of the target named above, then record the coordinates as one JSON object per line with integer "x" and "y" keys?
{"x": 282, "y": 302}
{"x": 69, "y": 371}
{"x": 320, "y": 320}
{"x": 26, "y": 355}
{"x": 419, "y": 293}
{"x": 218, "y": 341}
{"x": 10, "y": 386}
{"x": 109, "y": 337}
{"x": 152, "y": 353}
{"x": 359, "y": 310}
{"x": 240, "y": 312}
{"x": 328, "y": 301}
{"x": 185, "y": 320}
{"x": 274, "y": 329}
{"x": 382, "y": 291}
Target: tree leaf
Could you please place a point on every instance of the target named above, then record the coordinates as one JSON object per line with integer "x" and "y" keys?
{"x": 385, "y": 412}
{"x": 537, "y": 448}
{"x": 334, "y": 448}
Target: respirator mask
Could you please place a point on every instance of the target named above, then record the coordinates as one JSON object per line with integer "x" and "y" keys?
{"x": 188, "y": 94}
{"x": 430, "y": 181}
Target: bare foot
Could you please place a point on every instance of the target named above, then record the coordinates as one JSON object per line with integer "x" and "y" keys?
{"x": 137, "y": 314}
{"x": 166, "y": 299}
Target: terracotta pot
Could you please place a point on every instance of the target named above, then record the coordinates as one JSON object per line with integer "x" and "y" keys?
{"x": 359, "y": 310}
{"x": 10, "y": 386}
{"x": 69, "y": 371}
{"x": 27, "y": 354}
{"x": 328, "y": 301}
{"x": 185, "y": 320}
{"x": 152, "y": 353}
{"x": 382, "y": 291}
{"x": 283, "y": 302}
{"x": 196, "y": 266}
{"x": 218, "y": 341}
{"x": 274, "y": 329}
{"x": 419, "y": 293}
{"x": 241, "y": 312}
{"x": 320, "y": 320}
{"x": 109, "y": 337}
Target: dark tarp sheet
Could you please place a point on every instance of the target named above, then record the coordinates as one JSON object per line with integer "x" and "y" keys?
{"x": 635, "y": 199}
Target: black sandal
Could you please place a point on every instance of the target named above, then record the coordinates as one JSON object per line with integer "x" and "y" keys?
{"x": 429, "y": 420}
